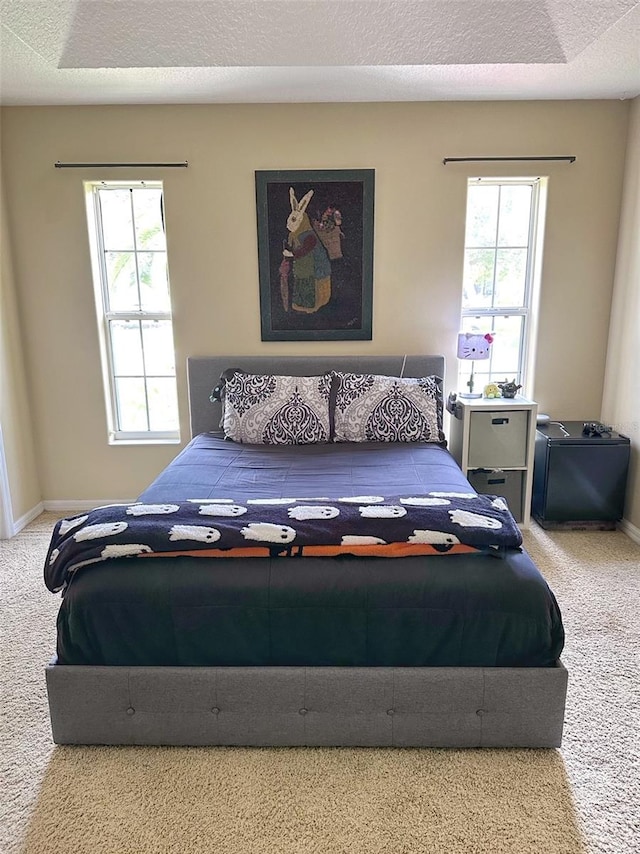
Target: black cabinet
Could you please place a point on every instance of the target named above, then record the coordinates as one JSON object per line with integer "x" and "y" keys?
{"x": 578, "y": 480}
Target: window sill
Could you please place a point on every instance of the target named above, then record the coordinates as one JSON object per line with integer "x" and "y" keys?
{"x": 115, "y": 442}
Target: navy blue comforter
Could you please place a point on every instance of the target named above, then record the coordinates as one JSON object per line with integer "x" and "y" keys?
{"x": 475, "y": 609}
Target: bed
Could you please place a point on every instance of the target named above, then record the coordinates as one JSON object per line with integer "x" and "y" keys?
{"x": 447, "y": 645}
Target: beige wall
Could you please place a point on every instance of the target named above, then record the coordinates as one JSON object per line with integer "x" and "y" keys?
{"x": 211, "y": 228}
{"x": 621, "y": 400}
{"x": 15, "y": 415}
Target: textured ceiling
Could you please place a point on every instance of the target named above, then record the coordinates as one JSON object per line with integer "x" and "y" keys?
{"x": 206, "y": 51}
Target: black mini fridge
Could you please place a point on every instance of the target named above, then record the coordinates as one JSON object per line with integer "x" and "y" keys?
{"x": 578, "y": 480}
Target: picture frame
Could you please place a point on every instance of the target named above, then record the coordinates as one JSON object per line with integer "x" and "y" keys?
{"x": 315, "y": 254}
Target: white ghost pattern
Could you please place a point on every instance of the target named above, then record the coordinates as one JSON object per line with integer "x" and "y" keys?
{"x": 424, "y": 502}
{"x": 211, "y": 501}
{"x": 120, "y": 504}
{"x": 362, "y": 499}
{"x": 68, "y": 524}
{"x": 301, "y": 513}
{"x": 454, "y": 494}
{"x": 124, "y": 550}
{"x": 268, "y": 533}
{"x": 434, "y": 538}
{"x": 222, "y": 510}
{"x": 53, "y": 557}
{"x": 355, "y": 540}
{"x": 271, "y": 501}
{"x": 104, "y": 529}
{"x": 499, "y": 504}
{"x": 151, "y": 509}
{"x": 386, "y": 511}
{"x": 200, "y": 533}
{"x": 473, "y": 520}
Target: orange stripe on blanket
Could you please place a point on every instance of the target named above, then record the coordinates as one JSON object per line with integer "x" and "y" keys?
{"x": 389, "y": 550}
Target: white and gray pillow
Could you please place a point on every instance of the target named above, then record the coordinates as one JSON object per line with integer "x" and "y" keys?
{"x": 265, "y": 409}
{"x": 374, "y": 408}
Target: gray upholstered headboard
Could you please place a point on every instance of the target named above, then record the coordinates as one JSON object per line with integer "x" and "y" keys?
{"x": 203, "y": 374}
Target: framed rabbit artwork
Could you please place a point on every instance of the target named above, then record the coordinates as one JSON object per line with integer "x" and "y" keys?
{"x": 315, "y": 254}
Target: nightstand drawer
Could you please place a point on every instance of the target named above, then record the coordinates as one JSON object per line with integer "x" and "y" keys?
{"x": 508, "y": 484}
{"x": 498, "y": 439}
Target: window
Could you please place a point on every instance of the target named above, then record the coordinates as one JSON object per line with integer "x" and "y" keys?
{"x": 501, "y": 269}
{"x": 129, "y": 255}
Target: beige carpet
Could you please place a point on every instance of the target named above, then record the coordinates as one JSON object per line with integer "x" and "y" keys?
{"x": 583, "y": 798}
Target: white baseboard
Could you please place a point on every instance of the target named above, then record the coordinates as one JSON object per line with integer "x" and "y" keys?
{"x": 630, "y": 530}
{"x": 29, "y": 516}
{"x": 62, "y": 507}
{"x": 70, "y": 506}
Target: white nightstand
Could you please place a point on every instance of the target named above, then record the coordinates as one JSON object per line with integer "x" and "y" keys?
{"x": 493, "y": 442}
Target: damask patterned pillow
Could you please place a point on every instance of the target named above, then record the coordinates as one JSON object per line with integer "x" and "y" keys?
{"x": 373, "y": 408}
{"x": 262, "y": 409}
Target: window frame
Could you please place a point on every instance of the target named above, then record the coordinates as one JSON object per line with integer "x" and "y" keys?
{"x": 527, "y": 309}
{"x": 105, "y": 315}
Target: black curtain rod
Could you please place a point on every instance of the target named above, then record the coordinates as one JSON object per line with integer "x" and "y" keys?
{"x": 59, "y": 165}
{"x": 569, "y": 158}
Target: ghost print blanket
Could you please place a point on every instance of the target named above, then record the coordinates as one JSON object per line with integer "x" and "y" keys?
{"x": 371, "y": 525}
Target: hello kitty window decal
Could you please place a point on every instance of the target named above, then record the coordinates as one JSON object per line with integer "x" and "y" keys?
{"x": 315, "y": 254}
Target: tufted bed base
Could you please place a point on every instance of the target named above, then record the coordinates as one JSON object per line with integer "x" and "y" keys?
{"x": 313, "y": 706}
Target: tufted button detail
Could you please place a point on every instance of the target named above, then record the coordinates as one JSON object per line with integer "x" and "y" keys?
{"x": 303, "y": 711}
{"x": 131, "y": 711}
{"x": 480, "y": 713}
{"x": 215, "y": 710}
{"x": 391, "y": 711}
